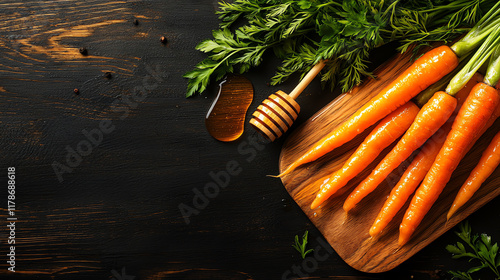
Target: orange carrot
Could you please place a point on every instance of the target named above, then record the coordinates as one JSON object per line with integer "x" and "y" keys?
{"x": 430, "y": 118}
{"x": 471, "y": 119}
{"x": 386, "y": 132}
{"x": 407, "y": 184}
{"x": 487, "y": 164}
{"x": 416, "y": 171}
{"x": 490, "y": 122}
{"x": 425, "y": 71}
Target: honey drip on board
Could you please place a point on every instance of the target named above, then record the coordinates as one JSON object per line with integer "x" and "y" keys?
{"x": 225, "y": 119}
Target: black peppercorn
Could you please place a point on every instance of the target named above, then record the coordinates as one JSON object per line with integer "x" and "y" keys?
{"x": 83, "y": 51}
{"x": 107, "y": 75}
{"x": 163, "y": 39}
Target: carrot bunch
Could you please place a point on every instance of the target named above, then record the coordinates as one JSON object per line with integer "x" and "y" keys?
{"x": 472, "y": 119}
{"x": 386, "y": 132}
{"x": 418, "y": 168}
{"x": 488, "y": 162}
{"x": 459, "y": 112}
{"x": 425, "y": 71}
{"x": 431, "y": 117}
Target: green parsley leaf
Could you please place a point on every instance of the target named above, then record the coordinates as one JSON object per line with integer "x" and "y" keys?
{"x": 301, "y": 247}
{"x": 483, "y": 251}
{"x": 344, "y": 32}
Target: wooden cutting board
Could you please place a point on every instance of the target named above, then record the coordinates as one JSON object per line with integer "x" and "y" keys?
{"x": 349, "y": 235}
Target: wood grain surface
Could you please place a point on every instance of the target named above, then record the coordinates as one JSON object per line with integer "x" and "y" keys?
{"x": 115, "y": 215}
{"x": 348, "y": 234}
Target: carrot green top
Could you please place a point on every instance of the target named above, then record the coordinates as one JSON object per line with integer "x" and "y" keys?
{"x": 493, "y": 72}
{"x": 440, "y": 85}
{"x": 488, "y": 23}
{"x": 487, "y": 48}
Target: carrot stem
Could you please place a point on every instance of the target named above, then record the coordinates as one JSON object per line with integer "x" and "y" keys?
{"x": 476, "y": 35}
{"x": 493, "y": 71}
{"x": 478, "y": 59}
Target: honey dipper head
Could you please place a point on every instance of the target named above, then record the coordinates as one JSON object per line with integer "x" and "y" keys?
{"x": 275, "y": 115}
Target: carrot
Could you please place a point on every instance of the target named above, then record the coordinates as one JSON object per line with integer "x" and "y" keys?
{"x": 430, "y": 118}
{"x": 407, "y": 184}
{"x": 472, "y": 117}
{"x": 487, "y": 164}
{"x": 416, "y": 171}
{"x": 386, "y": 132}
{"x": 425, "y": 71}
{"x": 491, "y": 156}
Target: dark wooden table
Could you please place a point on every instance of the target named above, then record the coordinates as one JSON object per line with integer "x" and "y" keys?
{"x": 101, "y": 175}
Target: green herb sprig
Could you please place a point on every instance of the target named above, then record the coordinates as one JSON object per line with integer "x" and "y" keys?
{"x": 301, "y": 247}
{"x": 482, "y": 250}
{"x": 302, "y": 32}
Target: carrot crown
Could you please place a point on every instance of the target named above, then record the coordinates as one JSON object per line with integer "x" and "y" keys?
{"x": 488, "y": 23}
{"x": 477, "y": 60}
{"x": 440, "y": 85}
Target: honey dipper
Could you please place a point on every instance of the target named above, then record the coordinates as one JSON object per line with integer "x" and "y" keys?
{"x": 277, "y": 113}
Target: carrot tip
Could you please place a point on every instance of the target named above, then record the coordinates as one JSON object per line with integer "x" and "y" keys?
{"x": 347, "y": 208}
{"x": 288, "y": 170}
{"x": 452, "y": 211}
{"x": 281, "y": 174}
{"x": 402, "y": 241}
{"x": 314, "y": 204}
{"x": 373, "y": 232}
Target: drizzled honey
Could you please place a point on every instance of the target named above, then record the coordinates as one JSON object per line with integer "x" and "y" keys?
{"x": 226, "y": 117}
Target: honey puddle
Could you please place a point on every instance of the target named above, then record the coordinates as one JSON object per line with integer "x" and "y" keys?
{"x": 225, "y": 119}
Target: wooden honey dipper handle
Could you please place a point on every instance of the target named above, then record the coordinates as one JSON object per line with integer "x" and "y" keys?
{"x": 307, "y": 79}
{"x": 277, "y": 113}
